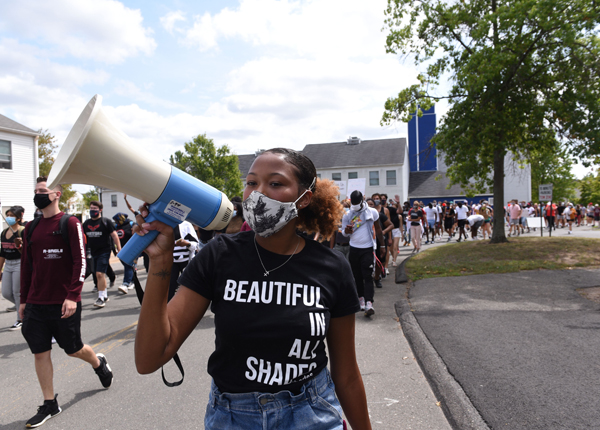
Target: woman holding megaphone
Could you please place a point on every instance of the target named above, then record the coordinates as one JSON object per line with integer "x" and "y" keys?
{"x": 276, "y": 298}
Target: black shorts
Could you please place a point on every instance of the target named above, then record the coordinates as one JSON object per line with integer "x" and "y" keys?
{"x": 462, "y": 222}
{"x": 448, "y": 223}
{"x": 42, "y": 322}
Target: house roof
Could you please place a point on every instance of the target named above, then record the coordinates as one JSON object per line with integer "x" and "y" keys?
{"x": 8, "y": 124}
{"x": 432, "y": 184}
{"x": 366, "y": 153}
{"x": 340, "y": 154}
{"x": 245, "y": 161}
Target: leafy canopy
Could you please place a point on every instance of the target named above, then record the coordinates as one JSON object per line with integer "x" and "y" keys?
{"x": 46, "y": 149}
{"x": 523, "y": 76}
{"x": 215, "y": 166}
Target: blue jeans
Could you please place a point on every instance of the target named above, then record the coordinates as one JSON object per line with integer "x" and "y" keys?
{"x": 315, "y": 408}
{"x": 127, "y": 274}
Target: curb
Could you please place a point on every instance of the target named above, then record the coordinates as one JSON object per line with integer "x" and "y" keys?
{"x": 459, "y": 411}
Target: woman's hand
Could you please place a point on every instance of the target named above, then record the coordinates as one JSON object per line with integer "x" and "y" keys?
{"x": 160, "y": 247}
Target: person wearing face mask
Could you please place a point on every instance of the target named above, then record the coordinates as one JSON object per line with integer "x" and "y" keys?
{"x": 52, "y": 276}
{"x": 237, "y": 218}
{"x": 10, "y": 260}
{"x": 276, "y": 298}
{"x": 101, "y": 238}
{"x": 359, "y": 224}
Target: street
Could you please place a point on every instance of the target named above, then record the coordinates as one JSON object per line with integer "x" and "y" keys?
{"x": 399, "y": 397}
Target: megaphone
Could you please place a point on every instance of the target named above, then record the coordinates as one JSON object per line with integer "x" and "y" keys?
{"x": 97, "y": 153}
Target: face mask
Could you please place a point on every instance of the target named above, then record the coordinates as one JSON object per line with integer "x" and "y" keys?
{"x": 383, "y": 202}
{"x": 267, "y": 216}
{"x": 356, "y": 208}
{"x": 377, "y": 202}
{"x": 94, "y": 213}
{"x": 11, "y": 220}
{"x": 41, "y": 200}
{"x": 234, "y": 213}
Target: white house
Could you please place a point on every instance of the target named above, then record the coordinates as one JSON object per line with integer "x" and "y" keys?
{"x": 19, "y": 167}
{"x": 114, "y": 202}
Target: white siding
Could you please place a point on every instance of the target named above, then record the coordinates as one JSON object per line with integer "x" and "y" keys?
{"x": 517, "y": 181}
{"x": 109, "y": 211}
{"x": 401, "y": 187}
{"x": 17, "y": 184}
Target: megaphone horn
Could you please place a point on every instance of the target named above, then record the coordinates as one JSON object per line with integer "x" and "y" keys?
{"x": 97, "y": 153}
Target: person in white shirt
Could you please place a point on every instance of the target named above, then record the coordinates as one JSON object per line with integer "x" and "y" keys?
{"x": 432, "y": 217}
{"x": 186, "y": 242}
{"x": 358, "y": 224}
{"x": 475, "y": 221}
{"x": 462, "y": 211}
{"x": 570, "y": 214}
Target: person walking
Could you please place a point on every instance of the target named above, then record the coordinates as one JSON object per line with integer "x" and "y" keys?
{"x": 186, "y": 242}
{"x": 462, "y": 211}
{"x": 276, "y": 299}
{"x": 415, "y": 216}
{"x": 359, "y": 224}
{"x": 52, "y": 275}
{"x": 101, "y": 238}
{"x": 10, "y": 260}
{"x": 123, "y": 228}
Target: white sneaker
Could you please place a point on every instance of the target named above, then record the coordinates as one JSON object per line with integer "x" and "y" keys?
{"x": 123, "y": 289}
{"x": 369, "y": 309}
{"x": 361, "y": 300}
{"x": 387, "y": 272}
{"x": 132, "y": 286}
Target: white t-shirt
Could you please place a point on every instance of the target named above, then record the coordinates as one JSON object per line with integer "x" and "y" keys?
{"x": 531, "y": 211}
{"x": 362, "y": 235}
{"x": 474, "y": 218}
{"x": 431, "y": 213}
{"x": 461, "y": 212}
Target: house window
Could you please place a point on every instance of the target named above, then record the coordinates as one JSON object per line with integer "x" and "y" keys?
{"x": 113, "y": 200}
{"x": 352, "y": 175}
{"x": 390, "y": 177}
{"x": 5, "y": 155}
{"x": 374, "y": 178}
{"x": 336, "y": 176}
{"x": 319, "y": 175}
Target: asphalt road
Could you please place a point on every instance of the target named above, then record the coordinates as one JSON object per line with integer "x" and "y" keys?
{"x": 523, "y": 346}
{"x": 398, "y": 394}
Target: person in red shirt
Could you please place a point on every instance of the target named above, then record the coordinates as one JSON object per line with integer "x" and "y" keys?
{"x": 52, "y": 275}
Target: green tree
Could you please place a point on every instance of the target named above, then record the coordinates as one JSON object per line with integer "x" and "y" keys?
{"x": 215, "y": 166}
{"x": 589, "y": 189}
{"x": 553, "y": 167}
{"x": 89, "y": 196}
{"x": 523, "y": 75}
{"x": 46, "y": 149}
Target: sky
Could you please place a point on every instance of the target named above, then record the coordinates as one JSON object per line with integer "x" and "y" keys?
{"x": 251, "y": 74}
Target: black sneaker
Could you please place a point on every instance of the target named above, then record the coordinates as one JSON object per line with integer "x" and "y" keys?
{"x": 16, "y": 326}
{"x": 48, "y": 410}
{"x": 100, "y": 303}
{"x": 103, "y": 371}
{"x": 378, "y": 284}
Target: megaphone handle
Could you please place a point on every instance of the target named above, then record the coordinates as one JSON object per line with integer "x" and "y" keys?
{"x": 134, "y": 246}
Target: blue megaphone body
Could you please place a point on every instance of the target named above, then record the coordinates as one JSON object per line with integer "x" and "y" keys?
{"x": 97, "y": 153}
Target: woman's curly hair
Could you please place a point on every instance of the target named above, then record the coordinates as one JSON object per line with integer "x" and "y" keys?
{"x": 324, "y": 213}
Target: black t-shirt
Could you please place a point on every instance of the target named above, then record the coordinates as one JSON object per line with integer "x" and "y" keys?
{"x": 98, "y": 235}
{"x": 8, "y": 248}
{"x": 270, "y": 330}
{"x": 415, "y": 216}
{"x": 124, "y": 233}
{"x": 561, "y": 209}
{"x": 394, "y": 216}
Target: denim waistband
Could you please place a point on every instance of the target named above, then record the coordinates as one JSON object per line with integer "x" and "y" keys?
{"x": 257, "y": 401}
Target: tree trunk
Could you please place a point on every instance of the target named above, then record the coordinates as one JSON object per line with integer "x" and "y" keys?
{"x": 498, "y": 233}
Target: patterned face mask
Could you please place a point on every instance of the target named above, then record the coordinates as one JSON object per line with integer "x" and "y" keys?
{"x": 267, "y": 216}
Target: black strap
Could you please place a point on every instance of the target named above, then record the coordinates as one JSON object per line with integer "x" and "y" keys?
{"x": 140, "y": 295}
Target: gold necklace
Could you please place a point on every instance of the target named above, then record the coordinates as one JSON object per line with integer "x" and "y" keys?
{"x": 272, "y": 270}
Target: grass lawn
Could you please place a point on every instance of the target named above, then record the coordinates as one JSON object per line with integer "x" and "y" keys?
{"x": 480, "y": 257}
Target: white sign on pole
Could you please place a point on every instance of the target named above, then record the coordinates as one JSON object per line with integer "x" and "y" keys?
{"x": 356, "y": 184}
{"x": 342, "y": 186}
{"x": 546, "y": 193}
